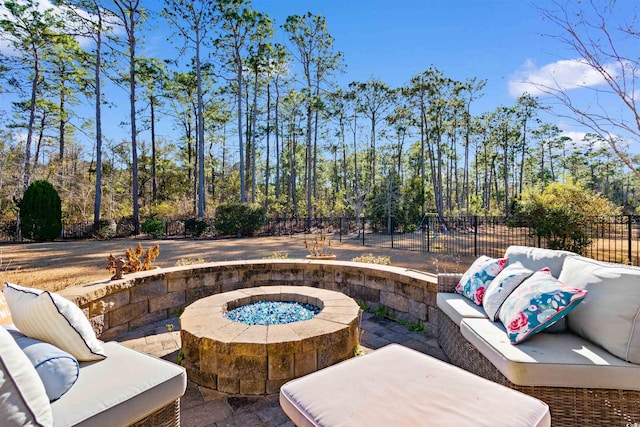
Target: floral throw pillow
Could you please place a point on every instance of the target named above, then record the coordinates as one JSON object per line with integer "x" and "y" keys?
{"x": 501, "y": 287}
{"x": 536, "y": 304}
{"x": 476, "y": 279}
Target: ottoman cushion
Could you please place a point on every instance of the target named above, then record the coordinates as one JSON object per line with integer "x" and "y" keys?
{"x": 402, "y": 387}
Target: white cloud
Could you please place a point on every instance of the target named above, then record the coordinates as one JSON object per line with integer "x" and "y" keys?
{"x": 560, "y": 75}
{"x": 43, "y": 5}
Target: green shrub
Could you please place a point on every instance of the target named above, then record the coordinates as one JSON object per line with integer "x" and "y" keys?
{"x": 239, "y": 218}
{"x": 153, "y": 227}
{"x": 40, "y": 212}
{"x": 106, "y": 229}
{"x": 562, "y": 214}
{"x": 195, "y": 227}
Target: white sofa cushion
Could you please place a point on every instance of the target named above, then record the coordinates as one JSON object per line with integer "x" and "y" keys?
{"x": 50, "y": 317}
{"x": 538, "y": 258}
{"x": 119, "y": 390}
{"x": 610, "y": 314}
{"x": 555, "y": 360}
{"x": 23, "y": 399}
{"x": 458, "y": 307}
{"x": 397, "y": 386}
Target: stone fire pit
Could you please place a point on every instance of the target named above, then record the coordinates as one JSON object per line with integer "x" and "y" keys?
{"x": 237, "y": 358}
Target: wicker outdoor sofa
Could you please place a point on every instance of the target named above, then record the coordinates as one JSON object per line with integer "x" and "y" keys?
{"x": 582, "y": 382}
{"x": 55, "y": 372}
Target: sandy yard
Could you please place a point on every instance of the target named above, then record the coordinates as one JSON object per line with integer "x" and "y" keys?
{"x": 57, "y": 265}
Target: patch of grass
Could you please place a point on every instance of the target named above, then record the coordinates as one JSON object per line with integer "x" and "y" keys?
{"x": 384, "y": 312}
{"x": 371, "y": 259}
{"x": 363, "y": 305}
{"x": 277, "y": 255}
{"x": 189, "y": 261}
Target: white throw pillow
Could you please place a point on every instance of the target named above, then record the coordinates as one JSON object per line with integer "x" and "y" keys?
{"x": 501, "y": 287}
{"x": 49, "y": 317}
{"x": 23, "y": 399}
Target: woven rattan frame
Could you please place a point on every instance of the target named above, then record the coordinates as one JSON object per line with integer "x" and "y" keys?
{"x": 167, "y": 416}
{"x": 569, "y": 406}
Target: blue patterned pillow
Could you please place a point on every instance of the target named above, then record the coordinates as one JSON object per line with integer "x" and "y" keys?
{"x": 476, "y": 279}
{"x": 536, "y": 304}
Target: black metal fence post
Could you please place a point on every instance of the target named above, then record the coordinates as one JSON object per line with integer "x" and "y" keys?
{"x": 391, "y": 233}
{"x": 363, "y": 220}
{"x": 475, "y": 235}
{"x": 629, "y": 242}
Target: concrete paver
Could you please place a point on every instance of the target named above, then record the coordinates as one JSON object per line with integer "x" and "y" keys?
{"x": 202, "y": 407}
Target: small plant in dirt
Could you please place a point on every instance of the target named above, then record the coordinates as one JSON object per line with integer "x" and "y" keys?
{"x": 359, "y": 349}
{"x": 371, "y": 259}
{"x": 319, "y": 246}
{"x": 153, "y": 227}
{"x": 133, "y": 260}
{"x": 363, "y": 305}
{"x": 278, "y": 255}
{"x": 384, "y": 312}
{"x": 189, "y": 261}
{"x": 105, "y": 229}
{"x": 40, "y": 212}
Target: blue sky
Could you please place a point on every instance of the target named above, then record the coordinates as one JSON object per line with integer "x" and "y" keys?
{"x": 502, "y": 41}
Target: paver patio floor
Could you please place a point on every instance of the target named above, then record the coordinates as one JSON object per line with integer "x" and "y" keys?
{"x": 203, "y": 407}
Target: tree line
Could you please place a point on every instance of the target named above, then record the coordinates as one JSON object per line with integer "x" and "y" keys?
{"x": 258, "y": 121}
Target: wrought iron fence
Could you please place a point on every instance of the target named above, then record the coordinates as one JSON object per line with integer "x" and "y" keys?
{"x": 615, "y": 240}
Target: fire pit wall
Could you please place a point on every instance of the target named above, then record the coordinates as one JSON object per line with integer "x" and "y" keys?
{"x": 114, "y": 307}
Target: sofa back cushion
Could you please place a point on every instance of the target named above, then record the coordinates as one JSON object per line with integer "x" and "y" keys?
{"x": 536, "y": 258}
{"x": 610, "y": 315}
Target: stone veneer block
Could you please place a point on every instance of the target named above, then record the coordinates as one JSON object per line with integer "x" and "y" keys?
{"x": 305, "y": 363}
{"x": 394, "y": 301}
{"x": 251, "y": 359}
{"x": 124, "y": 314}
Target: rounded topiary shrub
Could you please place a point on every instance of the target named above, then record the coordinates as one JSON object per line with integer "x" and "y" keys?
{"x": 40, "y": 212}
{"x": 153, "y": 227}
{"x": 239, "y": 218}
{"x": 195, "y": 227}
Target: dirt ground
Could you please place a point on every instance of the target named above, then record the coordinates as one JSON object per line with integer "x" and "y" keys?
{"x": 57, "y": 265}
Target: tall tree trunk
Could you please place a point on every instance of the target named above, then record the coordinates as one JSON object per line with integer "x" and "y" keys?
{"x": 98, "y": 100}
{"x": 154, "y": 175}
{"x": 32, "y": 119}
{"x": 268, "y": 149}
{"x": 277, "y": 136}
{"x": 134, "y": 146}
{"x": 200, "y": 132}
{"x": 254, "y": 119}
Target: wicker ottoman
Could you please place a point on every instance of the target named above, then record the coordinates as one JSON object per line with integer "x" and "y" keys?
{"x": 402, "y": 387}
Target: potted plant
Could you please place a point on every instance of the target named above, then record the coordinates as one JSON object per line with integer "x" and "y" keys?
{"x": 319, "y": 247}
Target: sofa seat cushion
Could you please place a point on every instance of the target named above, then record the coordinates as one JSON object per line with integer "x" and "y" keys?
{"x": 610, "y": 314}
{"x": 554, "y": 360}
{"x": 119, "y": 390}
{"x": 538, "y": 258}
{"x": 398, "y": 386}
{"x": 458, "y": 307}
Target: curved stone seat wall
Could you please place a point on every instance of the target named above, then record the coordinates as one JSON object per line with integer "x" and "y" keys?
{"x": 114, "y": 307}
